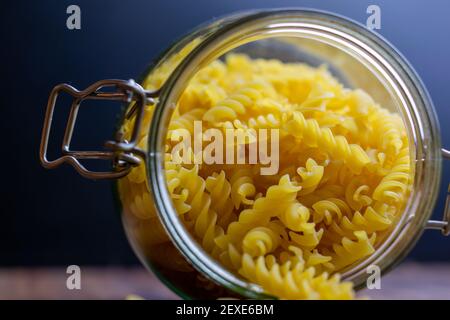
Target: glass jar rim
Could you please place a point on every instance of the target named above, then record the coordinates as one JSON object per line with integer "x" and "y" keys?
{"x": 357, "y": 40}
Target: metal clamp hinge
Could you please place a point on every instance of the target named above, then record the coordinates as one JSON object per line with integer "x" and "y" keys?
{"x": 123, "y": 154}
{"x": 443, "y": 225}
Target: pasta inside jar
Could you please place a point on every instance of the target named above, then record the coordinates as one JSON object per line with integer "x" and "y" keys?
{"x": 340, "y": 183}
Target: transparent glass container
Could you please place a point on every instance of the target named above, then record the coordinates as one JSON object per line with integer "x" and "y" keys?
{"x": 356, "y": 56}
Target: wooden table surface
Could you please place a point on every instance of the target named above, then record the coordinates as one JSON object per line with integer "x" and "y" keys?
{"x": 407, "y": 281}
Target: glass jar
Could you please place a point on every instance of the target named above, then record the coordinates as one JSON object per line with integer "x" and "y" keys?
{"x": 354, "y": 55}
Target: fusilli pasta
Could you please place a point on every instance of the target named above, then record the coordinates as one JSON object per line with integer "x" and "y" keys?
{"x": 344, "y": 176}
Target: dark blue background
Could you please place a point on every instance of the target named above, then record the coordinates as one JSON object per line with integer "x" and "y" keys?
{"x": 57, "y": 217}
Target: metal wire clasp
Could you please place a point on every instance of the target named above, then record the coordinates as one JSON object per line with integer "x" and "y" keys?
{"x": 443, "y": 225}
{"x": 123, "y": 154}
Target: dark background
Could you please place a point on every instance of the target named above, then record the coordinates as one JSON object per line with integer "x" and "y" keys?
{"x": 57, "y": 217}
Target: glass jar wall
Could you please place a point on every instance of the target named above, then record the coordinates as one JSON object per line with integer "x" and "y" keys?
{"x": 355, "y": 57}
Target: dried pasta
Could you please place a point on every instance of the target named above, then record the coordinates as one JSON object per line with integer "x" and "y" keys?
{"x": 343, "y": 181}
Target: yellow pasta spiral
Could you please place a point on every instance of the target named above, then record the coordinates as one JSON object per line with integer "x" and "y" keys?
{"x": 313, "y": 135}
{"x": 396, "y": 183}
{"x": 293, "y": 281}
{"x": 201, "y": 213}
{"x": 260, "y": 241}
{"x": 242, "y": 187}
{"x": 239, "y": 103}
